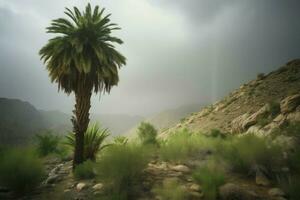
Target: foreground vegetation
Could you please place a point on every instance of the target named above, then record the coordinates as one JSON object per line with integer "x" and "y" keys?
{"x": 122, "y": 163}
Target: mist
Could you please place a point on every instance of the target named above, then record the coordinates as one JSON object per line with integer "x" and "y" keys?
{"x": 177, "y": 53}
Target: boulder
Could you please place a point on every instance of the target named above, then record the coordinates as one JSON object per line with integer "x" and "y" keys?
{"x": 243, "y": 122}
{"x": 237, "y": 123}
{"x": 53, "y": 178}
{"x": 80, "y": 186}
{"x": 280, "y": 120}
{"x": 294, "y": 116}
{"x": 256, "y": 130}
{"x": 181, "y": 168}
{"x": 98, "y": 186}
{"x": 231, "y": 191}
{"x": 252, "y": 120}
{"x": 195, "y": 187}
{"x": 290, "y": 103}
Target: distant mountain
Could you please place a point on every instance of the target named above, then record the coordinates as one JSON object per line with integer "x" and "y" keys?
{"x": 168, "y": 118}
{"x": 19, "y": 121}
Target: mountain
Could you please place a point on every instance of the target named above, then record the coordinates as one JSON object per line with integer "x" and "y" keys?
{"x": 168, "y": 118}
{"x": 19, "y": 121}
{"x": 259, "y": 106}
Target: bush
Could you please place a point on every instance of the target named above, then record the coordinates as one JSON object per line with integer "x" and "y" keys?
{"x": 292, "y": 129}
{"x": 170, "y": 190}
{"x": 147, "y": 133}
{"x": 274, "y": 108}
{"x": 121, "y": 168}
{"x": 273, "y": 111}
{"x": 292, "y": 188}
{"x": 211, "y": 178}
{"x": 184, "y": 145}
{"x": 94, "y": 138}
{"x": 85, "y": 170}
{"x": 216, "y": 133}
{"x": 20, "y": 170}
{"x": 244, "y": 152}
{"x": 47, "y": 143}
{"x": 120, "y": 140}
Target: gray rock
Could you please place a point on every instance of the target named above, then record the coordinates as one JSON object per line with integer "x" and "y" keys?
{"x": 98, "y": 186}
{"x": 294, "y": 116}
{"x": 181, "y": 168}
{"x": 52, "y": 179}
{"x": 290, "y": 103}
{"x": 80, "y": 186}
{"x": 195, "y": 187}
{"x": 237, "y": 123}
{"x": 252, "y": 120}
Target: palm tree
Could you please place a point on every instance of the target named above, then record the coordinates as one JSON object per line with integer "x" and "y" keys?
{"x": 83, "y": 59}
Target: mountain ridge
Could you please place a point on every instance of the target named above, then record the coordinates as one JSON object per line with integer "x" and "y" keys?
{"x": 249, "y": 102}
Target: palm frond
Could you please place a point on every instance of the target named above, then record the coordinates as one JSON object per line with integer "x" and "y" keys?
{"x": 94, "y": 139}
{"x": 83, "y": 50}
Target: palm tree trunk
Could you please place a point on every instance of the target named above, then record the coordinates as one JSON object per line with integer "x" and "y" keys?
{"x": 80, "y": 121}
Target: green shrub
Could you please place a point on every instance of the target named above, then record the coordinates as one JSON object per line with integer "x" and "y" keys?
{"x": 244, "y": 152}
{"x": 120, "y": 140}
{"x": 290, "y": 185}
{"x": 94, "y": 138}
{"x": 292, "y": 129}
{"x": 274, "y": 108}
{"x": 210, "y": 177}
{"x": 85, "y": 170}
{"x": 170, "y": 190}
{"x": 263, "y": 120}
{"x": 216, "y": 133}
{"x": 20, "y": 170}
{"x": 147, "y": 133}
{"x": 121, "y": 168}
{"x": 184, "y": 145}
{"x": 47, "y": 143}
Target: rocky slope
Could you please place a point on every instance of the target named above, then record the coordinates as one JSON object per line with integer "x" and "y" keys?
{"x": 259, "y": 106}
{"x": 167, "y": 118}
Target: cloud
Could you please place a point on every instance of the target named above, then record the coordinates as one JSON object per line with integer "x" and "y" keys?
{"x": 178, "y": 53}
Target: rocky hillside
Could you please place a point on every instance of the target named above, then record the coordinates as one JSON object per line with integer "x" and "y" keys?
{"x": 167, "y": 118}
{"x": 259, "y": 106}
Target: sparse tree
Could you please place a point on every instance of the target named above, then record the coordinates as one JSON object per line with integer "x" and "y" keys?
{"x": 147, "y": 133}
{"x": 83, "y": 59}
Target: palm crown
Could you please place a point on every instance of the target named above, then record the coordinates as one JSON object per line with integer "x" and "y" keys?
{"x": 83, "y": 53}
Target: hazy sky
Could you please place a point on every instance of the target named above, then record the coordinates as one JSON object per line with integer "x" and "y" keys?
{"x": 179, "y": 52}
